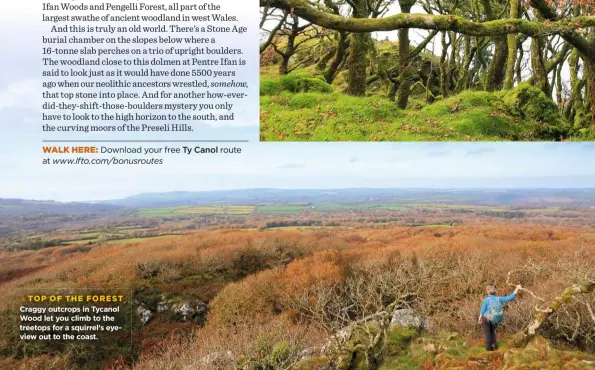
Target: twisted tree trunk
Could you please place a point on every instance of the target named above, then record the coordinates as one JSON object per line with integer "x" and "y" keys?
{"x": 405, "y": 73}
{"x": 511, "y": 41}
{"x": 498, "y": 64}
{"x": 358, "y": 54}
{"x": 521, "y": 339}
{"x": 341, "y": 50}
{"x": 590, "y": 77}
{"x": 538, "y": 66}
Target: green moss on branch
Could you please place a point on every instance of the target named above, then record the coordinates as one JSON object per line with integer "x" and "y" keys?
{"x": 431, "y": 22}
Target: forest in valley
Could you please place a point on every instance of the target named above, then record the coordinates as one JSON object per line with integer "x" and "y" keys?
{"x": 323, "y": 285}
{"x": 429, "y": 70}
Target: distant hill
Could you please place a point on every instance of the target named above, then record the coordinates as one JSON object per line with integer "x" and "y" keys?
{"x": 19, "y": 207}
{"x": 504, "y": 197}
{"x": 38, "y": 216}
{"x": 511, "y": 197}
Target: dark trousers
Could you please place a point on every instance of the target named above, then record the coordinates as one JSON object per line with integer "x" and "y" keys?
{"x": 489, "y": 333}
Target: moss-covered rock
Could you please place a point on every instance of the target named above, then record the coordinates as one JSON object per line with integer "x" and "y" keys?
{"x": 406, "y": 349}
{"x": 541, "y": 354}
{"x": 352, "y": 353}
{"x": 530, "y": 103}
{"x": 477, "y": 114}
{"x": 524, "y": 113}
{"x": 398, "y": 340}
{"x": 314, "y": 363}
{"x": 294, "y": 83}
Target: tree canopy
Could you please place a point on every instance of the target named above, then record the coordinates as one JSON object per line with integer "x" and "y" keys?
{"x": 487, "y": 44}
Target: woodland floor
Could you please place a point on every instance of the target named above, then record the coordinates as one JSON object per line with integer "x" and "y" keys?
{"x": 301, "y": 107}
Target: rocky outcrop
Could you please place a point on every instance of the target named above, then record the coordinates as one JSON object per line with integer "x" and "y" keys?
{"x": 408, "y": 319}
{"x": 360, "y": 344}
{"x": 184, "y": 311}
{"x": 144, "y": 314}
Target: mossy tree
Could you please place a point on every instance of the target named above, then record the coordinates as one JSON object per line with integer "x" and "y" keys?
{"x": 496, "y": 71}
{"x": 545, "y": 20}
{"x": 404, "y": 67}
{"x": 359, "y": 45}
{"x": 340, "y": 53}
{"x": 266, "y": 15}
{"x": 512, "y": 44}
{"x": 291, "y": 32}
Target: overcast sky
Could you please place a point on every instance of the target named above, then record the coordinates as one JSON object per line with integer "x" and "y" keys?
{"x": 316, "y": 165}
{"x": 271, "y": 165}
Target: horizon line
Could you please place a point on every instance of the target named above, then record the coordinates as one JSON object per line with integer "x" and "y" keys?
{"x": 310, "y": 189}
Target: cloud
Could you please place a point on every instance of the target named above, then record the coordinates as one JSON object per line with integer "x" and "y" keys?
{"x": 291, "y": 166}
{"x": 479, "y": 152}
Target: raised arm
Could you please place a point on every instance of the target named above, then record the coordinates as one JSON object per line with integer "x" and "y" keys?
{"x": 510, "y": 297}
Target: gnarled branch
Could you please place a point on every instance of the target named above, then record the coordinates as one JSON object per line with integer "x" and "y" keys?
{"x": 458, "y": 24}
{"x": 522, "y": 338}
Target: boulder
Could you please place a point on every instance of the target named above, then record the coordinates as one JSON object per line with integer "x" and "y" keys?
{"x": 407, "y": 318}
{"x": 186, "y": 311}
{"x": 144, "y": 314}
{"x": 164, "y": 306}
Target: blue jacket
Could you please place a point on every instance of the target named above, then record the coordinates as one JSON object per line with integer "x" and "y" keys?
{"x": 484, "y": 304}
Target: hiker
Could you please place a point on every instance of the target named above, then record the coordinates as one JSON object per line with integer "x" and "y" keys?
{"x": 492, "y": 313}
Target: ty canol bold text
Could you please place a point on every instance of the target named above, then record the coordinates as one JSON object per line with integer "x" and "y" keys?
{"x": 211, "y": 150}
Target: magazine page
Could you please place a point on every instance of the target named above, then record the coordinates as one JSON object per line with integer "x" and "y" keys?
{"x": 297, "y": 185}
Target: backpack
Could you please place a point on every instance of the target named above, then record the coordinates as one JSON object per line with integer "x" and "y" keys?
{"x": 495, "y": 311}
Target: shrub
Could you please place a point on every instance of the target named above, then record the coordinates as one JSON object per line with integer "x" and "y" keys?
{"x": 253, "y": 299}
{"x": 148, "y": 269}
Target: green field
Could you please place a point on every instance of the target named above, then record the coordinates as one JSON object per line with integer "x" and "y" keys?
{"x": 316, "y": 207}
{"x": 195, "y": 210}
{"x": 80, "y": 241}
{"x": 89, "y": 234}
{"x": 281, "y": 208}
{"x": 327, "y": 207}
{"x": 92, "y": 237}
